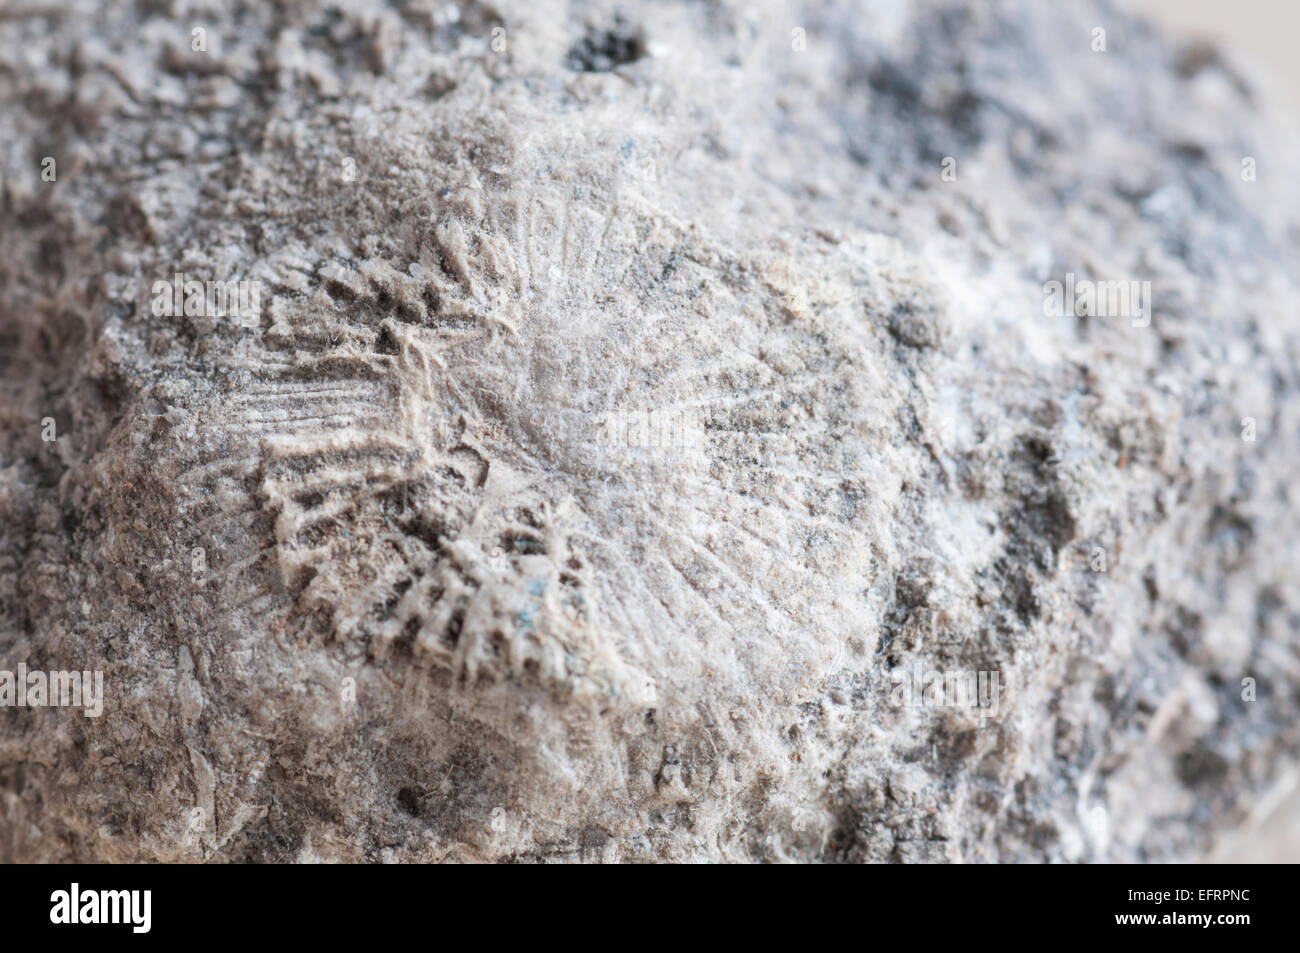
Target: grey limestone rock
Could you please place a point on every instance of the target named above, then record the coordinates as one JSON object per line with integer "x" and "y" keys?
{"x": 628, "y": 411}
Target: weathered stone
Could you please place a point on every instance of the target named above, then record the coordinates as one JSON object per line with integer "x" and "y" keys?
{"x": 639, "y": 416}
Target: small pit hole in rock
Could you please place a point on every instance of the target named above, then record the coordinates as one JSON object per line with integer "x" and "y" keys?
{"x": 601, "y": 50}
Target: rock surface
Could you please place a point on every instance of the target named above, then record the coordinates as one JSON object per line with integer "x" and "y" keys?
{"x": 637, "y": 393}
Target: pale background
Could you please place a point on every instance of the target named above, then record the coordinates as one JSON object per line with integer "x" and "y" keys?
{"x": 1262, "y": 34}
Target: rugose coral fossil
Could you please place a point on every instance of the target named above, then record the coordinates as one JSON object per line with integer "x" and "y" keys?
{"x": 648, "y": 436}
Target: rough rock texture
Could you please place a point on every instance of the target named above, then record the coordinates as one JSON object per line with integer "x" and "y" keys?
{"x": 384, "y": 578}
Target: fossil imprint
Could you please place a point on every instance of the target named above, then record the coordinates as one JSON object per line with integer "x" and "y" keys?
{"x": 627, "y": 404}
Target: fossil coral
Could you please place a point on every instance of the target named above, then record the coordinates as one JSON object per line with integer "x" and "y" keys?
{"x": 632, "y": 400}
